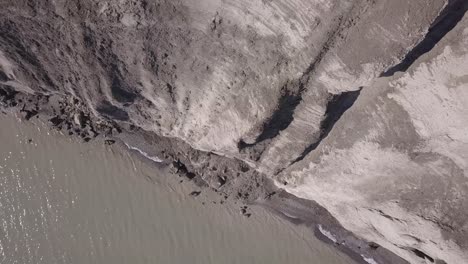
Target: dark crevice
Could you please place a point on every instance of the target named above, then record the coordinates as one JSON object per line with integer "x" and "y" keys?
{"x": 281, "y": 117}
{"x": 28, "y": 113}
{"x": 170, "y": 90}
{"x": 336, "y": 107}
{"x": 7, "y": 96}
{"x": 7, "y": 93}
{"x": 119, "y": 89}
{"x": 3, "y": 77}
{"x": 182, "y": 168}
{"x": 444, "y": 23}
{"x": 421, "y": 254}
{"x": 112, "y": 112}
{"x": 373, "y": 245}
{"x": 291, "y": 97}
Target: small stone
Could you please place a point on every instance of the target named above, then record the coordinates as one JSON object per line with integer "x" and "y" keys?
{"x": 56, "y": 120}
{"x": 221, "y": 180}
{"x": 109, "y": 142}
{"x": 270, "y": 195}
{"x": 77, "y": 118}
{"x": 195, "y": 193}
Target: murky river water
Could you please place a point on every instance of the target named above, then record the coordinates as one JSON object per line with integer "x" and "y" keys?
{"x": 62, "y": 201}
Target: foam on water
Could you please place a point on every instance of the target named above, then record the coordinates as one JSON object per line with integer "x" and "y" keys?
{"x": 327, "y": 233}
{"x": 153, "y": 158}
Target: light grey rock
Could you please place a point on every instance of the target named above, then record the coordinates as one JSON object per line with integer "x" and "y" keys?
{"x": 394, "y": 169}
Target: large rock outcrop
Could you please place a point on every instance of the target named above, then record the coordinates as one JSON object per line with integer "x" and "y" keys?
{"x": 394, "y": 168}
{"x": 307, "y": 92}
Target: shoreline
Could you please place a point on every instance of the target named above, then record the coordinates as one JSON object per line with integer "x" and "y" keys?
{"x": 230, "y": 178}
{"x": 298, "y": 211}
{"x": 96, "y": 192}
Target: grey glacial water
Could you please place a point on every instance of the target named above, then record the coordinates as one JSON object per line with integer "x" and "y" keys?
{"x": 62, "y": 201}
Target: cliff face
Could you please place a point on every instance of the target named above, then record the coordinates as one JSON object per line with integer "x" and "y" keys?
{"x": 307, "y": 92}
{"x": 393, "y": 168}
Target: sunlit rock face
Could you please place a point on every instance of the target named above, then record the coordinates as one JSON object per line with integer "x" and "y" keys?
{"x": 308, "y": 92}
{"x": 394, "y": 169}
{"x": 210, "y": 72}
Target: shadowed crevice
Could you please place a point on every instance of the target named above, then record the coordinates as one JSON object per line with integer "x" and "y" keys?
{"x": 281, "y": 117}
{"x": 112, "y": 112}
{"x": 336, "y": 107}
{"x": 444, "y": 23}
{"x": 291, "y": 97}
{"x": 422, "y": 255}
{"x": 119, "y": 88}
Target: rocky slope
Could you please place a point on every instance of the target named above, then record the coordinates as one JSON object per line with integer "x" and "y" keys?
{"x": 393, "y": 168}
{"x": 358, "y": 105}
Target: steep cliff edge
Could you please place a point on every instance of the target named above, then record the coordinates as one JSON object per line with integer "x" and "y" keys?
{"x": 307, "y": 93}
{"x": 393, "y": 169}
